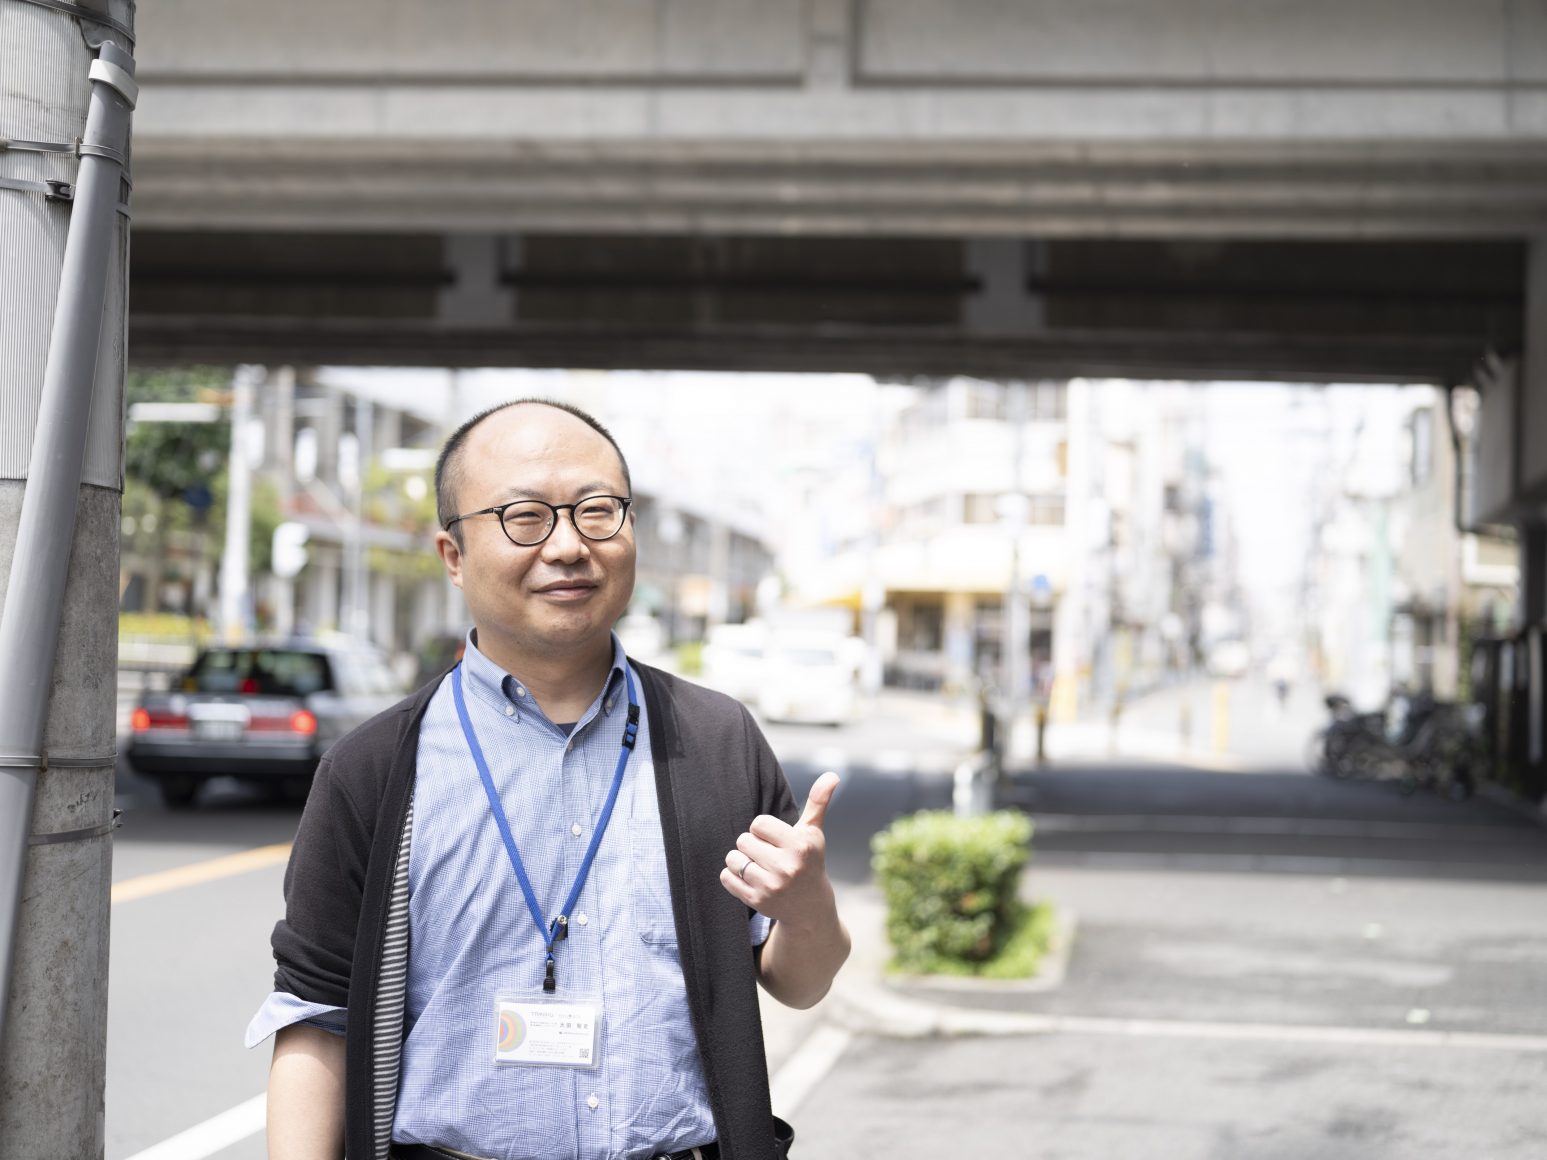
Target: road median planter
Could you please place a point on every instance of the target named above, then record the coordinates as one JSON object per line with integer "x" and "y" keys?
{"x": 953, "y": 906}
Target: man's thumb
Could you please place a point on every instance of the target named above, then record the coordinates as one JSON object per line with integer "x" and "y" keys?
{"x": 821, "y": 796}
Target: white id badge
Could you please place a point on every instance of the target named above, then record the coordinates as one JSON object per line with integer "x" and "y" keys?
{"x": 545, "y": 1031}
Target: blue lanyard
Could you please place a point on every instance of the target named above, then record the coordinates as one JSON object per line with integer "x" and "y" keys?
{"x": 556, "y": 931}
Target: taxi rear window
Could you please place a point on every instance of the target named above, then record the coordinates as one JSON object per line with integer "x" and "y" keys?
{"x": 273, "y": 672}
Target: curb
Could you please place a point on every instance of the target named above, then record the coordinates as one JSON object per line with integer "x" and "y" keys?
{"x": 863, "y": 1003}
{"x": 1513, "y": 802}
{"x": 1055, "y": 965}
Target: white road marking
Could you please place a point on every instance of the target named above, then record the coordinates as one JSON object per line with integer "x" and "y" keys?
{"x": 213, "y": 1135}
{"x": 878, "y": 1011}
{"x": 1272, "y": 864}
{"x": 1271, "y": 827}
{"x": 807, "y": 1067}
{"x": 1288, "y": 1033}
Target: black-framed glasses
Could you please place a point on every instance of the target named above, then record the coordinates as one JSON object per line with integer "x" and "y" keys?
{"x": 528, "y": 522}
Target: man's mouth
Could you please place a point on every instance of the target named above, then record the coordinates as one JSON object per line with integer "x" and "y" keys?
{"x": 567, "y": 588}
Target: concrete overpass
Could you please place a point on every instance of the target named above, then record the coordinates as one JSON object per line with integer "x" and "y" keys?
{"x": 1332, "y": 189}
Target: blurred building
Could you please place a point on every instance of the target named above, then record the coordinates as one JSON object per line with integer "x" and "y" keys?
{"x": 328, "y": 462}
{"x": 1401, "y": 586}
{"x": 337, "y": 462}
{"x": 1066, "y": 496}
{"x": 698, "y": 467}
{"x": 1450, "y": 583}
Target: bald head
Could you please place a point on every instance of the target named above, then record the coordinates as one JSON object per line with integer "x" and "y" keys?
{"x": 449, "y": 469}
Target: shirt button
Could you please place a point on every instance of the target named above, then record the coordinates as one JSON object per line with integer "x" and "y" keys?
{"x": 581, "y": 919}
{"x": 510, "y": 710}
{"x": 576, "y": 830}
{"x": 607, "y": 704}
{"x": 593, "y": 1103}
{"x": 568, "y": 748}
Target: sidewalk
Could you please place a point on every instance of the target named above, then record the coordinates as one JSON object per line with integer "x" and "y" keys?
{"x": 1232, "y": 726}
{"x": 1066, "y": 1077}
{"x": 1215, "y": 1004}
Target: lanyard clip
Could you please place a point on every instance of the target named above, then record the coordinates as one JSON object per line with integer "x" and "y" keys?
{"x": 550, "y": 984}
{"x": 559, "y": 931}
{"x": 631, "y": 730}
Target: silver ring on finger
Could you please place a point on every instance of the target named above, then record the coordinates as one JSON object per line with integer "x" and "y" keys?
{"x": 742, "y": 873}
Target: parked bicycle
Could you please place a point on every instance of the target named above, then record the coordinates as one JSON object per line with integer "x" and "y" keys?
{"x": 1417, "y": 740}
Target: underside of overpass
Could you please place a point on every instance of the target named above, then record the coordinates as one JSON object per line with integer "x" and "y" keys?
{"x": 1413, "y": 310}
{"x": 1333, "y": 189}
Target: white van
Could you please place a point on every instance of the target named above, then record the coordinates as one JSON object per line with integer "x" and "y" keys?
{"x": 809, "y": 677}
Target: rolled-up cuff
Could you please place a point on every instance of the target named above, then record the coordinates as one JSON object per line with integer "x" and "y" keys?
{"x": 281, "y": 1010}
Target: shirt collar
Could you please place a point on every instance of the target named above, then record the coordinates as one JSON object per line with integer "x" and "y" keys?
{"x": 494, "y": 686}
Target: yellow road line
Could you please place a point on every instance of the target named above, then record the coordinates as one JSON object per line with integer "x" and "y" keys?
{"x": 199, "y": 872}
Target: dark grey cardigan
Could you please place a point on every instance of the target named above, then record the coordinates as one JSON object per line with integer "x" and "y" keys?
{"x": 344, "y": 938}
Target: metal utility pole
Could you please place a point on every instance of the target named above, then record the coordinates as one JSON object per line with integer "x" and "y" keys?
{"x": 357, "y": 615}
{"x": 1015, "y": 511}
{"x": 235, "y": 582}
{"x": 64, "y": 112}
{"x": 282, "y": 388}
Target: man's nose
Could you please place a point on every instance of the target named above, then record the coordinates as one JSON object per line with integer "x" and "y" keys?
{"x": 565, "y": 541}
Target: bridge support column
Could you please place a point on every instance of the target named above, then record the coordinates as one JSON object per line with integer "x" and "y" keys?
{"x": 1530, "y": 446}
{"x": 1531, "y": 505}
{"x": 1533, "y": 576}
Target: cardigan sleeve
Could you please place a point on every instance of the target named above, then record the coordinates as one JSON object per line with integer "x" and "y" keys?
{"x": 773, "y": 789}
{"x": 324, "y": 883}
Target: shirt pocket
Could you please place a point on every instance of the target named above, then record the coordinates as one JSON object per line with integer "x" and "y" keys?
{"x": 650, "y": 889}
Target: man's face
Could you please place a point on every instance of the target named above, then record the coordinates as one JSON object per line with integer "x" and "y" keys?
{"x": 558, "y": 598}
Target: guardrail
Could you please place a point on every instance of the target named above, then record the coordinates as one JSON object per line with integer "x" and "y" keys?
{"x": 154, "y": 656}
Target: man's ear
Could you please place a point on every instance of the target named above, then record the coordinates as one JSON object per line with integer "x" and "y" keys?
{"x": 450, "y": 556}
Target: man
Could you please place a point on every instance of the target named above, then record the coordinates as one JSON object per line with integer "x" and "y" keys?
{"x": 528, "y": 907}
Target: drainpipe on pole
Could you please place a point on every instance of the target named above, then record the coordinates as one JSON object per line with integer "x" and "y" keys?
{"x": 55, "y": 839}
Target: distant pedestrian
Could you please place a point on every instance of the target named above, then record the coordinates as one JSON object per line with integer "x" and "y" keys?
{"x": 529, "y": 907}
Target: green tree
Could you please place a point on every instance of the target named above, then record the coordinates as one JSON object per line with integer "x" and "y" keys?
{"x": 173, "y": 460}
{"x": 170, "y": 474}
{"x": 175, "y": 479}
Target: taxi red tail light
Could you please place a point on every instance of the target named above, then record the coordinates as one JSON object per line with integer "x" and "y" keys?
{"x": 303, "y": 721}
{"x": 143, "y": 719}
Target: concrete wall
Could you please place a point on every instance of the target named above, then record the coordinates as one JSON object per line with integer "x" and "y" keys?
{"x": 1352, "y": 118}
{"x": 1217, "y": 42}
{"x": 1220, "y": 43}
{"x": 479, "y": 41}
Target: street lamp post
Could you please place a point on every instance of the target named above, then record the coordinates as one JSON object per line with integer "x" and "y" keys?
{"x": 235, "y": 579}
{"x": 672, "y": 531}
{"x": 1014, "y": 510}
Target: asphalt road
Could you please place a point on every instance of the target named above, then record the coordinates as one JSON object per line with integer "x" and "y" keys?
{"x": 191, "y": 961}
{"x": 1247, "y": 944}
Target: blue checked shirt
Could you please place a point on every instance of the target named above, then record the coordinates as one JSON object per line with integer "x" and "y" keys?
{"x": 472, "y": 937}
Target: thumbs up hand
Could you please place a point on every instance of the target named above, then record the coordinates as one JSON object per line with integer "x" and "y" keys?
{"x": 780, "y": 870}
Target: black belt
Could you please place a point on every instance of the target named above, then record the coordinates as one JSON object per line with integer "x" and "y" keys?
{"x": 425, "y": 1152}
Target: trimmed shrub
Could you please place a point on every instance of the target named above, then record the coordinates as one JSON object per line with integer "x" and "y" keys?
{"x": 950, "y": 885}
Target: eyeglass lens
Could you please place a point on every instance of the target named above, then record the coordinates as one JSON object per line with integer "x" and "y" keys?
{"x": 597, "y": 517}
